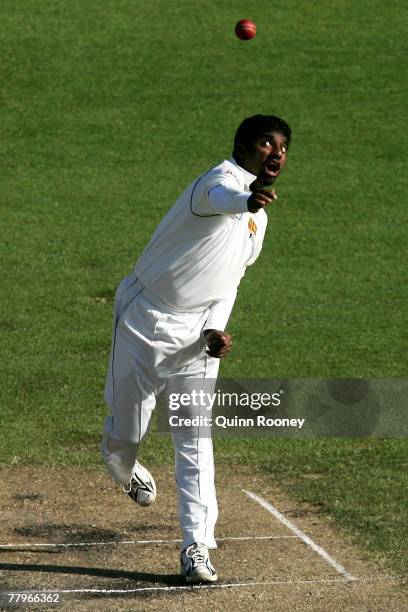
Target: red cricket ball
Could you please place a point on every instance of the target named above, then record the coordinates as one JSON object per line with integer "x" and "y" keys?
{"x": 245, "y": 29}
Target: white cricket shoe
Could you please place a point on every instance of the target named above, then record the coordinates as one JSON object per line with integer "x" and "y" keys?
{"x": 195, "y": 564}
{"x": 141, "y": 487}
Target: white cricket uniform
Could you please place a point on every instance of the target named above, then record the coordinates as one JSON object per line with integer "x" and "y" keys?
{"x": 184, "y": 282}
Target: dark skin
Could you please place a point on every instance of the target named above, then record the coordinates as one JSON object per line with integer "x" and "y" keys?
{"x": 265, "y": 157}
{"x": 219, "y": 343}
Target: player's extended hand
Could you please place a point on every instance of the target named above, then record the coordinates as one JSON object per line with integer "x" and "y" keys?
{"x": 219, "y": 343}
{"x": 260, "y": 198}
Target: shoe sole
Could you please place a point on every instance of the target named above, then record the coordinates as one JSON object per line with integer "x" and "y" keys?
{"x": 142, "y": 483}
{"x": 199, "y": 577}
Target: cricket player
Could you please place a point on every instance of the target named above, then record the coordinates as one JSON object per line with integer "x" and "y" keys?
{"x": 169, "y": 324}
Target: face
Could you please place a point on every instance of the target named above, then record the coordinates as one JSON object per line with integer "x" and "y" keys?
{"x": 265, "y": 156}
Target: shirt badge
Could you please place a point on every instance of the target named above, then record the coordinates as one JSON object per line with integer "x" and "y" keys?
{"x": 252, "y": 226}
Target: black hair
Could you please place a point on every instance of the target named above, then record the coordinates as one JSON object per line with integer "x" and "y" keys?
{"x": 257, "y": 125}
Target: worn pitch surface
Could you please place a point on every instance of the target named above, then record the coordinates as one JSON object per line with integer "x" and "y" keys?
{"x": 260, "y": 562}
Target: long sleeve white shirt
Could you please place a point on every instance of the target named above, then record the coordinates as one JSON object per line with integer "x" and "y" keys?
{"x": 201, "y": 248}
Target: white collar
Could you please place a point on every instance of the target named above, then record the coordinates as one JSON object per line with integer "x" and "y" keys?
{"x": 248, "y": 176}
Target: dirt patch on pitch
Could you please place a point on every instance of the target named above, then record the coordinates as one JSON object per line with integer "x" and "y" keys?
{"x": 74, "y": 531}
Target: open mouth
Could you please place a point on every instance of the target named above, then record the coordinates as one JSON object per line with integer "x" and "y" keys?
{"x": 272, "y": 168}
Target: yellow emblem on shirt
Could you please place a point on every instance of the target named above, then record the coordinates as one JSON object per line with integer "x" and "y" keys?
{"x": 252, "y": 225}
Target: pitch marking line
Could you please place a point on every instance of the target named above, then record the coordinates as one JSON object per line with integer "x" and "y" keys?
{"x": 127, "y": 542}
{"x": 212, "y": 586}
{"x": 320, "y": 551}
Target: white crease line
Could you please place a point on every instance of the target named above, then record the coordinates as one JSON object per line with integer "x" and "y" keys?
{"x": 320, "y": 551}
{"x": 127, "y": 542}
{"x": 212, "y": 586}
{"x": 274, "y": 537}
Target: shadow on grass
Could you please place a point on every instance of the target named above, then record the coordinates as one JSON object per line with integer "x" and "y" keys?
{"x": 74, "y": 533}
{"x": 140, "y": 577}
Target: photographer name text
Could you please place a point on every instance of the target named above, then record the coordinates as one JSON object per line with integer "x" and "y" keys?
{"x": 227, "y": 422}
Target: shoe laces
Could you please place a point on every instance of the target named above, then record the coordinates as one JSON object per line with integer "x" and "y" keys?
{"x": 197, "y": 552}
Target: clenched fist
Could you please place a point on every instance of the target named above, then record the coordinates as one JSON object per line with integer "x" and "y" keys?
{"x": 219, "y": 343}
{"x": 260, "y": 197}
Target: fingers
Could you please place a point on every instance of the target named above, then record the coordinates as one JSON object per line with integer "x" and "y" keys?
{"x": 268, "y": 194}
{"x": 219, "y": 350}
{"x": 261, "y": 199}
{"x": 219, "y": 344}
{"x": 219, "y": 353}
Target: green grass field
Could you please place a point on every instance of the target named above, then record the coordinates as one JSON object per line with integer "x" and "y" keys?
{"x": 109, "y": 110}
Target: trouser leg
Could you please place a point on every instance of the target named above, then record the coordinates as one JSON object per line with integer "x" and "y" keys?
{"x": 130, "y": 384}
{"x": 194, "y": 460}
{"x": 123, "y": 432}
{"x": 196, "y": 489}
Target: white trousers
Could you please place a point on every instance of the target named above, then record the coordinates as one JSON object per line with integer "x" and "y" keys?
{"x": 156, "y": 349}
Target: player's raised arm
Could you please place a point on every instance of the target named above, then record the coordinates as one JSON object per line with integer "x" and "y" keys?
{"x": 220, "y": 192}
{"x": 223, "y": 199}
